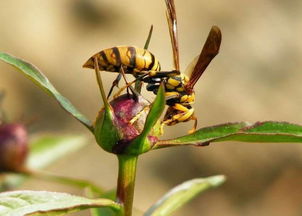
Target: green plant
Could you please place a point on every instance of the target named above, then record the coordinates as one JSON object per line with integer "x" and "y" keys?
{"x": 128, "y": 142}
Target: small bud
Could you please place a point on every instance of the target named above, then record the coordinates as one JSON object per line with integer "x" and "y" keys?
{"x": 13, "y": 147}
{"x": 130, "y": 115}
{"x": 128, "y": 119}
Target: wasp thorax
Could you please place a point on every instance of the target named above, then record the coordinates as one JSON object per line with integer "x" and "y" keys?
{"x": 13, "y": 147}
{"x": 117, "y": 128}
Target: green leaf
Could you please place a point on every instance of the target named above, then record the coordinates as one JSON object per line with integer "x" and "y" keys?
{"x": 141, "y": 143}
{"x": 19, "y": 203}
{"x": 48, "y": 149}
{"x": 182, "y": 194}
{"x": 36, "y": 76}
{"x": 268, "y": 131}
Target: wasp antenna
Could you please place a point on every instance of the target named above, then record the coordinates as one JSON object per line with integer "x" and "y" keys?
{"x": 172, "y": 23}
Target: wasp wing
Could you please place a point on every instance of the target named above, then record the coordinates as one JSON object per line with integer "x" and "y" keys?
{"x": 189, "y": 70}
{"x": 209, "y": 51}
{"x": 172, "y": 23}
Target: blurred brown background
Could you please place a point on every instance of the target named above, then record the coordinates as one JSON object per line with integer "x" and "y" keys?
{"x": 256, "y": 76}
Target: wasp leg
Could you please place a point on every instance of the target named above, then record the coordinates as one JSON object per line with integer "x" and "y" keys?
{"x": 136, "y": 117}
{"x": 179, "y": 113}
{"x": 163, "y": 123}
{"x": 124, "y": 76}
{"x": 122, "y": 89}
{"x": 195, "y": 125}
{"x": 128, "y": 85}
{"x": 186, "y": 116}
{"x": 114, "y": 84}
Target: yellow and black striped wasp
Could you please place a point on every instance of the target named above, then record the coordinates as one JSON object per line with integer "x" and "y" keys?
{"x": 127, "y": 60}
{"x": 124, "y": 60}
{"x": 133, "y": 60}
{"x": 179, "y": 87}
{"x": 145, "y": 67}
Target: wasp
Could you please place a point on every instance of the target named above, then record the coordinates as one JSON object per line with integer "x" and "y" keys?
{"x": 133, "y": 60}
{"x": 145, "y": 67}
{"x": 179, "y": 87}
{"x": 125, "y": 59}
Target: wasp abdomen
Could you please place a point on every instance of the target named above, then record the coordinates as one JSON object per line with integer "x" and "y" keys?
{"x": 134, "y": 59}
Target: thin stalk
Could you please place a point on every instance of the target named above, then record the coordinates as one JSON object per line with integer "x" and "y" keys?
{"x": 146, "y": 46}
{"x": 138, "y": 83}
{"x": 100, "y": 83}
{"x": 126, "y": 182}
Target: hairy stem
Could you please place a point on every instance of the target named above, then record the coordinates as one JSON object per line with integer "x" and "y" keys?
{"x": 126, "y": 182}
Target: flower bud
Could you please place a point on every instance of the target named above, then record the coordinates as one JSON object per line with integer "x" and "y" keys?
{"x": 13, "y": 147}
{"x": 128, "y": 116}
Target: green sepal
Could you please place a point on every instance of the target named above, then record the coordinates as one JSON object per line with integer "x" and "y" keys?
{"x": 37, "y": 77}
{"x": 143, "y": 142}
{"x": 46, "y": 149}
{"x": 105, "y": 132}
{"x": 267, "y": 131}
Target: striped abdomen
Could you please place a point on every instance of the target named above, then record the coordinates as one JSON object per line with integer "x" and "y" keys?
{"x": 134, "y": 60}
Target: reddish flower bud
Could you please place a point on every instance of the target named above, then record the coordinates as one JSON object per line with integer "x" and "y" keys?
{"x": 125, "y": 109}
{"x": 128, "y": 115}
{"x": 13, "y": 147}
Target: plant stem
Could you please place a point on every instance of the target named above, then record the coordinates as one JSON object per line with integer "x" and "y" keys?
{"x": 126, "y": 181}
